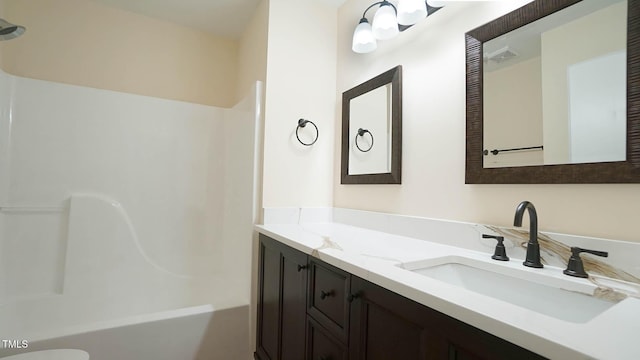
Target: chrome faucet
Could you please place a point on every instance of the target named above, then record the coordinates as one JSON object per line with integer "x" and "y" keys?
{"x": 533, "y": 248}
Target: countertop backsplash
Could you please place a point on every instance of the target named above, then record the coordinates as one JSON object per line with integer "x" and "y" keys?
{"x": 620, "y": 270}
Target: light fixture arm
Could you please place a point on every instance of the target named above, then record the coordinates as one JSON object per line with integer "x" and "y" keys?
{"x": 430, "y": 10}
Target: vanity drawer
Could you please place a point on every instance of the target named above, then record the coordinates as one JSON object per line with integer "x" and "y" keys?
{"x": 321, "y": 345}
{"x": 327, "y": 299}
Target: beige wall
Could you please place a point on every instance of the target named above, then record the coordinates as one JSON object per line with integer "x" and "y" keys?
{"x": 433, "y": 58}
{"x": 252, "y": 51}
{"x": 301, "y": 83}
{"x": 513, "y": 113}
{"x": 85, "y": 43}
{"x": 586, "y": 38}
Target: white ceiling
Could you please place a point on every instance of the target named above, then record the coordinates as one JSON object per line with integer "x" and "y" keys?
{"x": 226, "y": 18}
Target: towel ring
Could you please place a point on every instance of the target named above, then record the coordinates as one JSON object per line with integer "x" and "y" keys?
{"x": 361, "y": 132}
{"x": 302, "y": 123}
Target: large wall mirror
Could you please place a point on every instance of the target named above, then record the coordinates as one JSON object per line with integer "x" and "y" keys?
{"x": 372, "y": 130}
{"x": 553, "y": 94}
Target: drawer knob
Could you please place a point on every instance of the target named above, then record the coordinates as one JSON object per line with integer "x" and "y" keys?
{"x": 324, "y": 295}
{"x": 301, "y": 267}
{"x": 352, "y": 297}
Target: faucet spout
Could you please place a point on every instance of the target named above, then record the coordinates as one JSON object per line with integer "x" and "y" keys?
{"x": 533, "y": 247}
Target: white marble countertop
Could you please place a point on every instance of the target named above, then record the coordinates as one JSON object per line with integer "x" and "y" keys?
{"x": 375, "y": 256}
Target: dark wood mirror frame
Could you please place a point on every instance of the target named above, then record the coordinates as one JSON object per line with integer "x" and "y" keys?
{"x": 393, "y": 77}
{"x": 610, "y": 172}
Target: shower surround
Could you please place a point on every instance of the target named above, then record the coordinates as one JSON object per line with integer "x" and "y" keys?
{"x": 115, "y": 207}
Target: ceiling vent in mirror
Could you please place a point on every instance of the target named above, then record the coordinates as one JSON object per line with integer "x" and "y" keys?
{"x": 502, "y": 55}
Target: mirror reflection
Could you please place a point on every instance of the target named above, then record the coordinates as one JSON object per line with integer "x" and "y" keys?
{"x": 370, "y": 132}
{"x": 555, "y": 89}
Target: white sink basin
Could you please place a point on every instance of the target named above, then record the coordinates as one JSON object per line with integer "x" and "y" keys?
{"x": 564, "y": 299}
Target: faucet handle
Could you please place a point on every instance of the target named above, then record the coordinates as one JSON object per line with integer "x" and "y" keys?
{"x": 575, "y": 266}
{"x": 500, "y": 253}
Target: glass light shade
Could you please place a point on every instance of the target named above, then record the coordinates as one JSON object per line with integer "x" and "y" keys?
{"x": 363, "y": 40}
{"x": 411, "y": 11}
{"x": 385, "y": 24}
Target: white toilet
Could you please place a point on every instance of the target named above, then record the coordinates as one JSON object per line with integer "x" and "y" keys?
{"x": 57, "y": 354}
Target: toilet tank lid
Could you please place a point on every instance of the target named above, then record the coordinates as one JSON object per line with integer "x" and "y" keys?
{"x": 57, "y": 354}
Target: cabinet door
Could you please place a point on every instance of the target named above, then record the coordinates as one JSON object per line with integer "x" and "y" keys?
{"x": 465, "y": 342}
{"x": 385, "y": 325}
{"x": 282, "y": 289}
{"x": 268, "y": 321}
{"x": 294, "y": 304}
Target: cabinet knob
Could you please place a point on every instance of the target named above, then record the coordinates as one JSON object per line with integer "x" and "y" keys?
{"x": 302, "y": 267}
{"x": 324, "y": 295}
{"x": 352, "y": 297}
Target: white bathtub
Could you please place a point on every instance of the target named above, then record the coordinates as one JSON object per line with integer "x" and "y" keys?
{"x": 199, "y": 332}
{"x": 134, "y": 310}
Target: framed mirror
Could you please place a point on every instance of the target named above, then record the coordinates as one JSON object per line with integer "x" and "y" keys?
{"x": 372, "y": 131}
{"x": 553, "y": 94}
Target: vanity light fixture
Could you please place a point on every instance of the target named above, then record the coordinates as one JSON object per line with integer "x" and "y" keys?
{"x": 388, "y": 21}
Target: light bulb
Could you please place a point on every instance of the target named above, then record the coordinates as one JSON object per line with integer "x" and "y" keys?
{"x": 411, "y": 11}
{"x": 385, "y": 24}
{"x": 363, "y": 40}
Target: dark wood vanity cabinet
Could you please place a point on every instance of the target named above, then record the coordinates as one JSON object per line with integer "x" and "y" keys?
{"x": 308, "y": 309}
{"x": 282, "y": 302}
{"x": 385, "y": 325}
